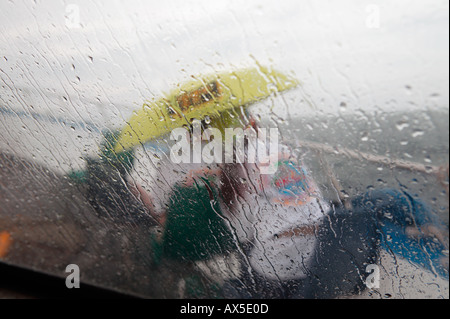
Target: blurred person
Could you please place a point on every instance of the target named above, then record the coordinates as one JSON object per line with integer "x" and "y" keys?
{"x": 276, "y": 236}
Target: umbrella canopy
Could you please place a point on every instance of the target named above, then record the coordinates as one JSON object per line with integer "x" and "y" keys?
{"x": 204, "y": 96}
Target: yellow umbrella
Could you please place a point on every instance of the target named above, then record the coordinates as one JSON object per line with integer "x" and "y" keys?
{"x": 204, "y": 96}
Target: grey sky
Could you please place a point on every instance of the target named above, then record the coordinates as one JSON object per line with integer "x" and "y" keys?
{"x": 122, "y": 53}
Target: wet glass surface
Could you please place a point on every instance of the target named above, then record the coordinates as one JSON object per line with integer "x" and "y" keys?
{"x": 98, "y": 102}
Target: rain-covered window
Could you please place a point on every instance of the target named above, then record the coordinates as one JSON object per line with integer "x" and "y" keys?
{"x": 257, "y": 149}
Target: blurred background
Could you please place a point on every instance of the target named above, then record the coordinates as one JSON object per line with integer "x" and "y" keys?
{"x": 373, "y": 100}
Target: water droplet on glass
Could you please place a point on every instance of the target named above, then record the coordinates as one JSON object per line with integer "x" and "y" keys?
{"x": 365, "y": 137}
{"x": 401, "y": 126}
